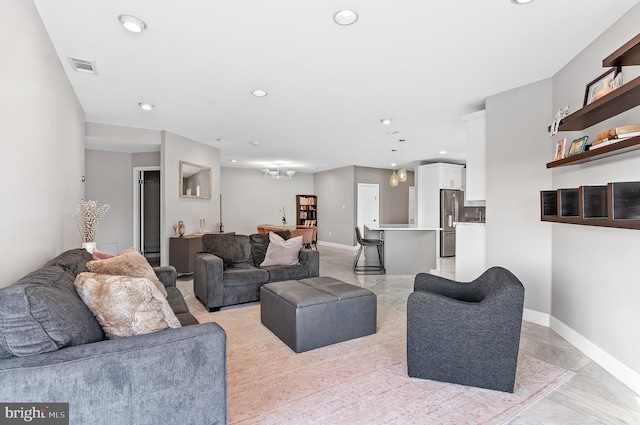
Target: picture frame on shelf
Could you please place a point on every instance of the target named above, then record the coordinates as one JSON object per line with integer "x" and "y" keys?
{"x": 600, "y": 86}
{"x": 578, "y": 145}
{"x": 560, "y": 149}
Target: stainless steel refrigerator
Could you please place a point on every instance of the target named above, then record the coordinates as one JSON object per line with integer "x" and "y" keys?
{"x": 451, "y": 211}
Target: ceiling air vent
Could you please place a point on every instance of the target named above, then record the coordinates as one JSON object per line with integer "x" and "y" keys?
{"x": 82, "y": 65}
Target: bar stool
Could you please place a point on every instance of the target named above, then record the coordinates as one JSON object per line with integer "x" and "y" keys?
{"x": 379, "y": 244}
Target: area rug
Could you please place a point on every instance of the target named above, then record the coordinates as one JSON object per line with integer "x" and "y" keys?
{"x": 362, "y": 381}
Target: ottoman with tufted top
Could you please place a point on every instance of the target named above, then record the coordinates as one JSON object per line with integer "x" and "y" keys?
{"x": 311, "y": 313}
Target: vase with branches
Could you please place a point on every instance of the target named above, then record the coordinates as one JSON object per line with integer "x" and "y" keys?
{"x": 88, "y": 215}
{"x": 284, "y": 217}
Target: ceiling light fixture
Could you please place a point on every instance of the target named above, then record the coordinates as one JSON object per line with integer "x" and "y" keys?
{"x": 393, "y": 180}
{"x": 443, "y": 152}
{"x": 233, "y": 160}
{"x": 402, "y": 172}
{"x": 345, "y": 17}
{"x": 131, "y": 23}
{"x": 386, "y": 121}
{"x": 259, "y": 93}
{"x": 521, "y": 1}
{"x": 276, "y": 174}
{"x": 146, "y": 106}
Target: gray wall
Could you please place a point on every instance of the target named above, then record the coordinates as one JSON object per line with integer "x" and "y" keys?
{"x": 595, "y": 279}
{"x": 174, "y": 149}
{"x": 394, "y": 201}
{"x": 249, "y": 199}
{"x": 336, "y": 193}
{"x": 109, "y": 180}
{"x": 42, "y": 135}
{"x": 516, "y": 156}
{"x": 145, "y": 159}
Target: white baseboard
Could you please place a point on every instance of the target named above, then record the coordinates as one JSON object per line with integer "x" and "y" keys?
{"x": 612, "y": 365}
{"x": 337, "y": 245}
{"x": 542, "y": 319}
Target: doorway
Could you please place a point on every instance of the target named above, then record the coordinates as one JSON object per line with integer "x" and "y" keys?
{"x": 368, "y": 205}
{"x": 146, "y": 214}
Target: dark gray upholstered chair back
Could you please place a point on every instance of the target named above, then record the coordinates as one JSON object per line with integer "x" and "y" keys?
{"x": 466, "y": 333}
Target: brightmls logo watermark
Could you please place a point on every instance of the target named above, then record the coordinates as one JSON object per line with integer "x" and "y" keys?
{"x": 34, "y": 413}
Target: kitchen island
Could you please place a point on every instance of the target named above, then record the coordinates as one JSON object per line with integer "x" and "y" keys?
{"x": 470, "y": 250}
{"x": 408, "y": 249}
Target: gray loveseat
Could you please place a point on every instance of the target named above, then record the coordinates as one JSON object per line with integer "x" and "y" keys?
{"x": 228, "y": 270}
{"x": 175, "y": 376}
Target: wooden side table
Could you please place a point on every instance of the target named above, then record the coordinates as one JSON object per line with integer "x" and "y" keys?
{"x": 181, "y": 252}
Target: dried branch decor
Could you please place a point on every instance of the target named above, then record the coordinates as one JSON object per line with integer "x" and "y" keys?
{"x": 88, "y": 216}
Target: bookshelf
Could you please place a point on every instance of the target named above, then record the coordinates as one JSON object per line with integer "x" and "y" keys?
{"x": 306, "y": 210}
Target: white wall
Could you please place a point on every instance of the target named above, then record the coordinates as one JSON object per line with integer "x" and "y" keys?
{"x": 109, "y": 180}
{"x": 175, "y": 148}
{"x": 42, "y": 136}
{"x": 517, "y": 142}
{"x": 595, "y": 275}
{"x": 249, "y": 199}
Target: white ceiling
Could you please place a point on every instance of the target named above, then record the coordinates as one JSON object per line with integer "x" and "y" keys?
{"x": 424, "y": 64}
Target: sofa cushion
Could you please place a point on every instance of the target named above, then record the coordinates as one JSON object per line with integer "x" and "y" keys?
{"x": 243, "y": 274}
{"x": 127, "y": 263}
{"x": 42, "y": 312}
{"x": 231, "y": 248}
{"x": 281, "y": 252}
{"x": 278, "y": 273}
{"x": 125, "y": 305}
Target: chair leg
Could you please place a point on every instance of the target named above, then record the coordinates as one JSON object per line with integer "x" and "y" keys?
{"x": 355, "y": 263}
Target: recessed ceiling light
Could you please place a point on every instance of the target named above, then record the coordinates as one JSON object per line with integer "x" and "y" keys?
{"x": 221, "y": 139}
{"x": 521, "y": 1}
{"x": 233, "y": 160}
{"x": 254, "y": 143}
{"x": 345, "y": 17}
{"x": 131, "y": 23}
{"x": 259, "y": 93}
{"x": 146, "y": 106}
{"x": 443, "y": 152}
{"x": 386, "y": 121}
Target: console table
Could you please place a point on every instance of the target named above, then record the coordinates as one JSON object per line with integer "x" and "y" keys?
{"x": 181, "y": 250}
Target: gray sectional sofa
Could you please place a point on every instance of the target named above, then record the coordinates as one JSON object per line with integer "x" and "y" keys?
{"x": 228, "y": 271}
{"x": 53, "y": 350}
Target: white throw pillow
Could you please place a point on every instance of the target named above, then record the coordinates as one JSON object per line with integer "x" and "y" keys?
{"x": 281, "y": 252}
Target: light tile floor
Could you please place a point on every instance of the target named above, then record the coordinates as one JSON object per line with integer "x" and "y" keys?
{"x": 591, "y": 397}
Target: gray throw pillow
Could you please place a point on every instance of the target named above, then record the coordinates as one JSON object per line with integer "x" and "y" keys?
{"x": 43, "y": 312}
{"x": 231, "y": 248}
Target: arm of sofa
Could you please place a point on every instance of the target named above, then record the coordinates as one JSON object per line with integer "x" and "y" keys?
{"x": 167, "y": 275}
{"x": 144, "y": 379}
{"x": 208, "y": 283}
{"x": 311, "y": 260}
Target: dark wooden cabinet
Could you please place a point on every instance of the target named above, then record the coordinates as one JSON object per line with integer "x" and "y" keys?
{"x": 181, "y": 252}
{"x": 616, "y": 204}
{"x": 306, "y": 210}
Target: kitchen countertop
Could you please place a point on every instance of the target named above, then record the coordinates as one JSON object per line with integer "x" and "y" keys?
{"x": 399, "y": 227}
{"x": 469, "y": 223}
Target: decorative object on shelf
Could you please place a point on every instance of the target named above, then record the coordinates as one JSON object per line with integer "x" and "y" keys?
{"x": 562, "y": 113}
{"x": 203, "y": 225}
{"x": 560, "y": 149}
{"x": 180, "y": 229}
{"x": 600, "y": 86}
{"x": 402, "y": 172}
{"x": 578, "y": 145}
{"x": 284, "y": 217}
{"x": 617, "y": 81}
{"x": 276, "y": 174}
{"x": 88, "y": 215}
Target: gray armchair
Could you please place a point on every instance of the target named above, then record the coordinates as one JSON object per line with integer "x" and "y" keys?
{"x": 465, "y": 333}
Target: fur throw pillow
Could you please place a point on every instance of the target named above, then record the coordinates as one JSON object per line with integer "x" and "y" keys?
{"x": 127, "y": 263}
{"x": 281, "y": 252}
{"x": 99, "y": 255}
{"x": 125, "y": 305}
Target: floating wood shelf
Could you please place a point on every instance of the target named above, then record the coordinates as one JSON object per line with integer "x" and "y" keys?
{"x": 628, "y": 54}
{"x": 617, "y": 148}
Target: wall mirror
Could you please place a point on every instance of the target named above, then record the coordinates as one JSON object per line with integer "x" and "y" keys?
{"x": 195, "y": 181}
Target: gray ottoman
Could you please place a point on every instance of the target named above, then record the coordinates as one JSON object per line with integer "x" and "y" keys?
{"x": 311, "y": 313}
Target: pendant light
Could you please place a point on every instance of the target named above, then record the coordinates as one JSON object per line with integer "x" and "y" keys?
{"x": 393, "y": 180}
{"x": 402, "y": 172}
